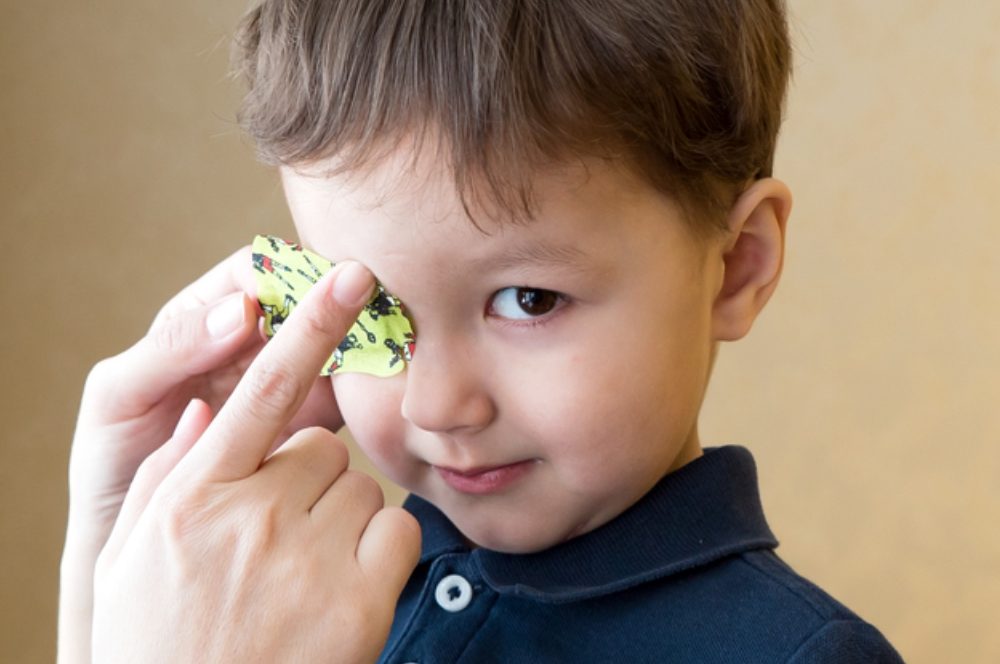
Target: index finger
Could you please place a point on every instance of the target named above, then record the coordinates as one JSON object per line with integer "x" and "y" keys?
{"x": 279, "y": 379}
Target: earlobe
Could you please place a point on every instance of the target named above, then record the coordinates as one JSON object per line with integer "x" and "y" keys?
{"x": 752, "y": 257}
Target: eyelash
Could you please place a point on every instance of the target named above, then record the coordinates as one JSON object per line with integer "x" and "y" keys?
{"x": 532, "y": 321}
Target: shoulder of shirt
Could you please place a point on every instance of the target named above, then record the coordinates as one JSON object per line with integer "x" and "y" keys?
{"x": 835, "y": 634}
{"x": 846, "y": 642}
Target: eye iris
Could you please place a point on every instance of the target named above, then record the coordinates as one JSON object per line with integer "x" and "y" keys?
{"x": 536, "y": 302}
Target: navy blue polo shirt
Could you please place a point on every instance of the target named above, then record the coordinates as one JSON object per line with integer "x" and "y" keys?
{"x": 687, "y": 574}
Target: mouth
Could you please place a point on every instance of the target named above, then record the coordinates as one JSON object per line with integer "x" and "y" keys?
{"x": 483, "y": 480}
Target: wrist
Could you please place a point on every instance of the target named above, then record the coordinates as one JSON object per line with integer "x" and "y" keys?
{"x": 76, "y": 600}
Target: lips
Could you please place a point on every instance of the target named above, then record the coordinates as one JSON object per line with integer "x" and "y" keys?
{"x": 483, "y": 481}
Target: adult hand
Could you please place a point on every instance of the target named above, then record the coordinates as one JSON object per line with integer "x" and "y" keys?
{"x": 199, "y": 346}
{"x": 223, "y": 552}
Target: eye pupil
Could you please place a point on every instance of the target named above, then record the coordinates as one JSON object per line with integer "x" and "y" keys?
{"x": 535, "y": 301}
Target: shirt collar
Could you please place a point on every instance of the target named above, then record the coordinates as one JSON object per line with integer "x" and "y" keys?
{"x": 704, "y": 511}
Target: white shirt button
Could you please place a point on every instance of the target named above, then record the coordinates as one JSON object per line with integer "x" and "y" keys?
{"x": 453, "y": 593}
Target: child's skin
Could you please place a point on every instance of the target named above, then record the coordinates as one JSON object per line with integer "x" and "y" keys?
{"x": 594, "y": 395}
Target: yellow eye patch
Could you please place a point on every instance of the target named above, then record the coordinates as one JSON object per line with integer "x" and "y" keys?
{"x": 379, "y": 343}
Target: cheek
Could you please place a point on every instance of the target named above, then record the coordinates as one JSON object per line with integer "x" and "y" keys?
{"x": 610, "y": 409}
{"x": 371, "y": 410}
{"x": 568, "y": 404}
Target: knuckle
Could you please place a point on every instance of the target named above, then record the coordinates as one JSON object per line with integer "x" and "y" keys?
{"x": 198, "y": 525}
{"x": 181, "y": 514}
{"x": 260, "y": 523}
{"x": 272, "y": 391}
{"x": 318, "y": 435}
{"x": 192, "y": 509}
{"x": 191, "y": 500}
{"x": 363, "y": 490}
{"x": 405, "y": 522}
{"x": 320, "y": 322}
{"x": 101, "y": 389}
{"x": 404, "y": 529}
{"x": 172, "y": 334}
{"x": 166, "y": 312}
{"x": 329, "y": 446}
{"x": 99, "y": 376}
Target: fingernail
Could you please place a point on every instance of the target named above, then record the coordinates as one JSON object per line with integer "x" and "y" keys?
{"x": 353, "y": 285}
{"x": 226, "y": 316}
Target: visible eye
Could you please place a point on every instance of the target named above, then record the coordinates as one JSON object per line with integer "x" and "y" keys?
{"x": 517, "y": 303}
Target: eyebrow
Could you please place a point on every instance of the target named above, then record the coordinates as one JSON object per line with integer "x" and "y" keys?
{"x": 563, "y": 256}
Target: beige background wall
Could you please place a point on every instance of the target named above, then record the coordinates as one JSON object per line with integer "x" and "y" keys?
{"x": 868, "y": 391}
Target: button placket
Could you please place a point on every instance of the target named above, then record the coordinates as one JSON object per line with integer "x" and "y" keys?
{"x": 444, "y": 619}
{"x": 453, "y": 593}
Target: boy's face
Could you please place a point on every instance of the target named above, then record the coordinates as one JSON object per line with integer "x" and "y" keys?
{"x": 560, "y": 363}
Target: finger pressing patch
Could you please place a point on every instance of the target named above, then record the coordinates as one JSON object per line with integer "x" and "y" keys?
{"x": 380, "y": 342}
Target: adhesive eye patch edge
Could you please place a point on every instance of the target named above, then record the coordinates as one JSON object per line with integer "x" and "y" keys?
{"x": 380, "y": 342}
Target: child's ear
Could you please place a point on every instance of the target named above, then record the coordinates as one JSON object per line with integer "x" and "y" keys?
{"x": 752, "y": 257}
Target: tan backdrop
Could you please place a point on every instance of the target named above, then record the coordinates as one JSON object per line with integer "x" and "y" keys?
{"x": 868, "y": 391}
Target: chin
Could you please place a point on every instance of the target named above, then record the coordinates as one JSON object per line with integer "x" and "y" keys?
{"x": 501, "y": 545}
{"x": 513, "y": 538}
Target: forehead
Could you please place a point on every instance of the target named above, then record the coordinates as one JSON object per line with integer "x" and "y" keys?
{"x": 421, "y": 184}
{"x": 587, "y": 214}
{"x": 406, "y": 176}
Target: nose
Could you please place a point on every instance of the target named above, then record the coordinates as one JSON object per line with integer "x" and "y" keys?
{"x": 445, "y": 391}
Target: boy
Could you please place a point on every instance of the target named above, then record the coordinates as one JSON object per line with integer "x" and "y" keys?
{"x": 615, "y": 160}
{"x": 574, "y": 202}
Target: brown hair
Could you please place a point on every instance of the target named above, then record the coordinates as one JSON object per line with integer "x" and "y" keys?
{"x": 690, "y": 91}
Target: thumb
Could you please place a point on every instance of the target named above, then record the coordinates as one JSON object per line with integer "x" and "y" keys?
{"x": 193, "y": 422}
{"x": 190, "y": 343}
